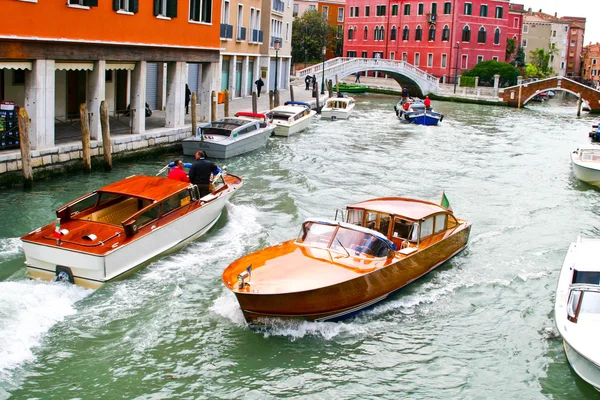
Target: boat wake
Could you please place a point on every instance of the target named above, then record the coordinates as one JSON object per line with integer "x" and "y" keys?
{"x": 28, "y": 309}
{"x": 9, "y": 247}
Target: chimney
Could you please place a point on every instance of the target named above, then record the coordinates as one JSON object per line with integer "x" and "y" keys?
{"x": 555, "y": 14}
{"x": 529, "y": 9}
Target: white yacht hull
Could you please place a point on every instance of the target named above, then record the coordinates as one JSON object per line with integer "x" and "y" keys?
{"x": 227, "y": 148}
{"x": 586, "y": 369}
{"x": 586, "y": 173}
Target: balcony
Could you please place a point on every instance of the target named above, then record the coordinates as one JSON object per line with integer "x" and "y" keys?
{"x": 226, "y": 31}
{"x": 257, "y": 36}
{"x": 278, "y": 6}
{"x": 241, "y": 34}
{"x": 274, "y": 38}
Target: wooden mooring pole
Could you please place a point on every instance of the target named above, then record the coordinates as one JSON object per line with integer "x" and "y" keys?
{"x": 226, "y": 104}
{"x": 213, "y": 106}
{"x": 317, "y": 97}
{"x": 24, "y": 127}
{"x": 106, "y": 147}
{"x": 330, "y": 88}
{"x": 85, "y": 138}
{"x": 292, "y": 92}
{"x": 271, "y": 99}
{"x": 194, "y": 114}
{"x": 276, "y": 98}
{"x": 579, "y": 101}
{"x": 254, "y": 103}
{"x": 337, "y": 85}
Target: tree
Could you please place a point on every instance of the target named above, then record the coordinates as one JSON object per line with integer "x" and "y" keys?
{"x": 487, "y": 69}
{"x": 519, "y": 58}
{"x": 309, "y": 34}
{"x": 540, "y": 60}
{"x": 511, "y": 46}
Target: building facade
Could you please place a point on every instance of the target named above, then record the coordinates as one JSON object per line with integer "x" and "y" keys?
{"x": 127, "y": 53}
{"x": 334, "y": 12}
{"x": 547, "y": 32}
{"x": 442, "y": 38}
{"x": 276, "y": 64}
{"x": 591, "y": 64}
{"x": 575, "y": 45}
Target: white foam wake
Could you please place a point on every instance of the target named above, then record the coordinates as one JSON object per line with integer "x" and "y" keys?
{"x": 9, "y": 247}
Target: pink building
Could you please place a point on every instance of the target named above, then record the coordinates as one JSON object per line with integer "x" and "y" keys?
{"x": 441, "y": 37}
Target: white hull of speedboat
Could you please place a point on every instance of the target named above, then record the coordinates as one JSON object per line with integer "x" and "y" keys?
{"x": 335, "y": 114}
{"x": 227, "y": 148}
{"x": 284, "y": 128}
{"x": 92, "y": 271}
{"x": 586, "y": 369}
{"x": 588, "y": 172}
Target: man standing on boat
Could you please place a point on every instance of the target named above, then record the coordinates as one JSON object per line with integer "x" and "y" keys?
{"x": 200, "y": 172}
{"x": 177, "y": 173}
{"x": 427, "y": 103}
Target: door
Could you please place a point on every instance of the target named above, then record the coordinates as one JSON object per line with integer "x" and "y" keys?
{"x": 121, "y": 91}
{"x": 285, "y": 67}
{"x": 272, "y": 66}
{"x": 152, "y": 85}
{"x": 250, "y": 75}
{"x": 238, "y": 79}
{"x": 76, "y": 88}
{"x": 224, "y": 75}
{"x": 192, "y": 79}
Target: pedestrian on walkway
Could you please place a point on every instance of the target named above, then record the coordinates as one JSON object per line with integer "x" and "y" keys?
{"x": 307, "y": 80}
{"x": 259, "y": 84}
{"x": 357, "y": 80}
{"x": 188, "y": 95}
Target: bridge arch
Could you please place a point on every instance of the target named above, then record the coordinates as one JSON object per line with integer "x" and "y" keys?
{"x": 555, "y": 89}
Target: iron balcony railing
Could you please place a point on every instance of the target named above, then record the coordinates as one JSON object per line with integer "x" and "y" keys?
{"x": 226, "y": 31}
{"x": 241, "y": 33}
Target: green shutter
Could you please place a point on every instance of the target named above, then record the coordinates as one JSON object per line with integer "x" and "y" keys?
{"x": 156, "y": 7}
{"x": 133, "y": 6}
{"x": 116, "y": 5}
{"x": 172, "y": 8}
{"x": 91, "y": 3}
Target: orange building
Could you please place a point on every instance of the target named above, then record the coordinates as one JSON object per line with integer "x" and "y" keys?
{"x": 56, "y": 54}
{"x": 591, "y": 64}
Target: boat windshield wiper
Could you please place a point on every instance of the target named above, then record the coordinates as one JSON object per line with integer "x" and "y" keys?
{"x": 338, "y": 240}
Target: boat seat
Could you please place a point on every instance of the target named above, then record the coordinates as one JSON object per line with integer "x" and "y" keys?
{"x": 115, "y": 213}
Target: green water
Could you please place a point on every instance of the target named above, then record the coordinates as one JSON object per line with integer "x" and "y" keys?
{"x": 480, "y": 326}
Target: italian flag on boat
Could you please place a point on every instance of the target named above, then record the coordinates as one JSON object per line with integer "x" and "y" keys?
{"x": 57, "y": 229}
{"x": 445, "y": 203}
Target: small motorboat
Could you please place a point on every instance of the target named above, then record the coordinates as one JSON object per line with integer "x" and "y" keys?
{"x": 336, "y": 268}
{"x": 577, "y": 308}
{"x": 291, "y": 118}
{"x": 585, "y": 162}
{"x": 230, "y": 136}
{"x": 543, "y": 96}
{"x": 350, "y": 88}
{"x": 595, "y": 132}
{"x": 109, "y": 233}
{"x": 417, "y": 113}
{"x": 339, "y": 107}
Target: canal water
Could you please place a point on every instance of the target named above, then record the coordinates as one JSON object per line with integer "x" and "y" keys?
{"x": 480, "y": 326}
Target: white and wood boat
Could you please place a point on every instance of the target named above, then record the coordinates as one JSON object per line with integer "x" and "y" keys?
{"x": 339, "y": 107}
{"x": 334, "y": 269}
{"x": 231, "y": 136}
{"x": 585, "y": 162}
{"x": 577, "y": 308}
{"x": 291, "y": 118}
{"x": 112, "y": 231}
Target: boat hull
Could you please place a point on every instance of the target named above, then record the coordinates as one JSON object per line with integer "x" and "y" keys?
{"x": 586, "y": 369}
{"x": 226, "y": 148}
{"x": 345, "y": 298}
{"x": 92, "y": 270}
{"x": 283, "y": 128}
{"x": 335, "y": 114}
{"x": 585, "y": 174}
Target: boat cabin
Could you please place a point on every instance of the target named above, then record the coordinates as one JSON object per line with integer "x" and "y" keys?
{"x": 288, "y": 113}
{"x": 339, "y": 103}
{"x": 402, "y": 221}
{"x": 230, "y": 127}
{"x": 589, "y": 154}
{"x": 344, "y": 238}
{"x": 584, "y": 288}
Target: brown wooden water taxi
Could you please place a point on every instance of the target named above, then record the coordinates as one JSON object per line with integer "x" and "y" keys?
{"x": 333, "y": 269}
{"x": 108, "y": 233}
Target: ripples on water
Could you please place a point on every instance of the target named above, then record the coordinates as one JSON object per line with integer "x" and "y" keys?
{"x": 480, "y": 326}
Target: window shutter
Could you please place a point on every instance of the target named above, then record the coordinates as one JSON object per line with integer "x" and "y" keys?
{"x": 172, "y": 8}
{"x": 133, "y": 6}
{"x": 156, "y": 7}
{"x": 90, "y": 3}
{"x": 116, "y": 5}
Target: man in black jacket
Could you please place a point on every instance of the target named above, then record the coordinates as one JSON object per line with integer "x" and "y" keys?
{"x": 200, "y": 173}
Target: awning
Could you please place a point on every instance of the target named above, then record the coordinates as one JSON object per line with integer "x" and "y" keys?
{"x": 75, "y": 65}
{"x": 15, "y": 65}
{"x": 120, "y": 65}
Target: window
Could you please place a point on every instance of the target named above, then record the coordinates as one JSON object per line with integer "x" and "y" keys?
{"x": 201, "y": 10}
{"x": 392, "y": 55}
{"x": 495, "y": 58}
{"x": 447, "y": 8}
{"x": 350, "y": 33}
{"x": 417, "y": 59}
{"x": 497, "y": 36}
{"x": 433, "y": 8}
{"x": 466, "y": 34}
{"x": 404, "y": 57}
{"x": 128, "y": 6}
{"x": 287, "y": 30}
{"x": 365, "y": 54}
{"x": 440, "y": 223}
{"x": 479, "y": 59}
{"x": 431, "y": 35}
{"x": 351, "y": 53}
{"x": 366, "y": 33}
{"x": 483, "y": 10}
{"x": 444, "y": 60}
{"x": 325, "y": 12}
{"x": 464, "y": 62}
{"x": 430, "y": 60}
{"x": 178, "y": 200}
{"x": 340, "y": 14}
{"x": 295, "y": 11}
{"x": 84, "y": 3}
{"x": 468, "y": 9}
{"x": 566, "y": 28}
{"x": 407, "y": 9}
{"x": 481, "y": 35}
{"x": 395, "y": 10}
{"x": 594, "y": 61}
{"x": 418, "y": 33}
{"x": 525, "y": 28}
{"x": 367, "y": 11}
{"x": 340, "y": 31}
{"x": 524, "y": 43}
{"x": 499, "y": 12}
{"x": 166, "y": 8}
{"x": 405, "y": 33}
{"x": 420, "y": 9}
{"x": 427, "y": 227}
{"x": 445, "y": 33}
{"x": 393, "y": 34}
{"x": 380, "y": 11}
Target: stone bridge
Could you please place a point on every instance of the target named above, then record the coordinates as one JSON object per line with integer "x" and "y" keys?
{"x": 520, "y": 95}
{"x": 407, "y": 75}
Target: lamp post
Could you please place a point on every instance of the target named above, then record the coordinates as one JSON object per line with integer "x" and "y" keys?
{"x": 456, "y": 69}
{"x": 276, "y": 45}
{"x": 323, "y": 77}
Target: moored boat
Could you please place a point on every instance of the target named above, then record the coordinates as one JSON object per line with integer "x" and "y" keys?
{"x": 230, "y": 136}
{"x": 417, "y": 113}
{"x": 350, "y": 88}
{"x": 595, "y": 132}
{"x": 334, "y": 269}
{"x": 339, "y": 107}
{"x": 291, "y": 118}
{"x": 577, "y": 308}
{"x": 107, "y": 234}
{"x": 585, "y": 161}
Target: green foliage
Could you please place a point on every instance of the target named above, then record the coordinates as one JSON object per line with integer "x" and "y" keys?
{"x": 519, "y": 58}
{"x": 540, "y": 59}
{"x": 467, "y": 81}
{"x": 511, "y": 46}
{"x": 487, "y": 69}
{"x": 309, "y": 34}
{"x": 531, "y": 71}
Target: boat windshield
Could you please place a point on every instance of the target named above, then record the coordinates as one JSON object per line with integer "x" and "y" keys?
{"x": 280, "y": 115}
{"x": 584, "y": 304}
{"x": 342, "y": 240}
{"x": 210, "y": 131}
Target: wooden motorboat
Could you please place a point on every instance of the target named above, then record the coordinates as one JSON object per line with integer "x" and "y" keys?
{"x": 334, "y": 269}
{"x": 231, "y": 136}
{"x": 108, "y": 233}
{"x": 585, "y": 162}
{"x": 339, "y": 107}
{"x": 291, "y": 118}
{"x": 577, "y": 308}
{"x": 417, "y": 113}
